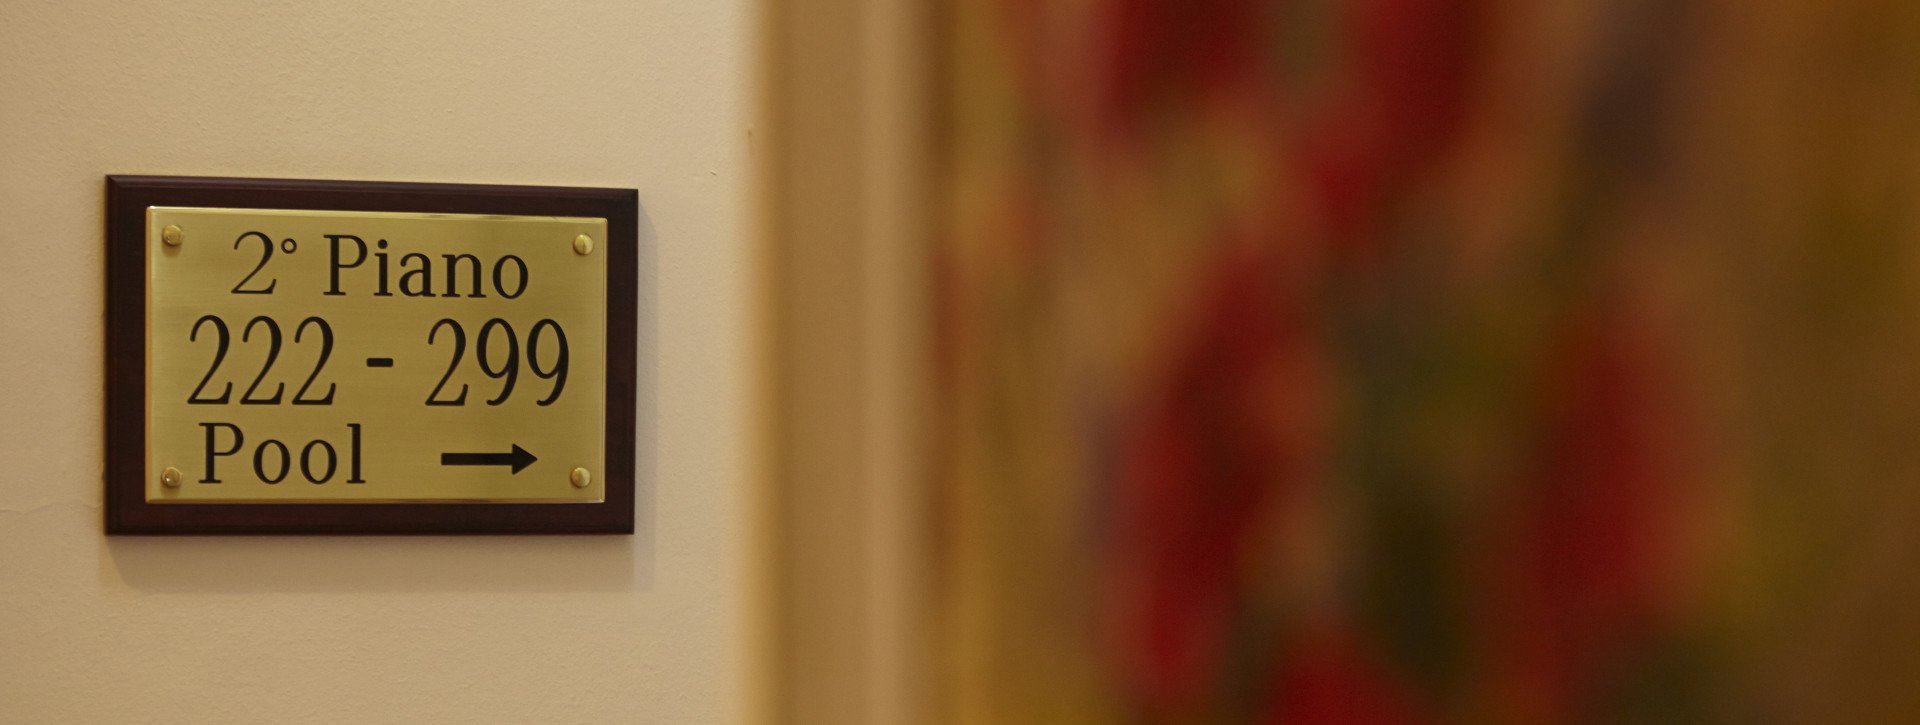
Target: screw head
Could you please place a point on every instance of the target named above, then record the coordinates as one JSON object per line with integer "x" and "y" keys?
{"x": 583, "y": 245}
{"x": 580, "y": 478}
{"x": 170, "y": 477}
{"x": 171, "y": 235}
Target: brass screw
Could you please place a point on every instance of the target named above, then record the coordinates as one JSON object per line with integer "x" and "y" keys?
{"x": 580, "y": 478}
{"x": 171, "y": 235}
{"x": 583, "y": 245}
{"x": 170, "y": 477}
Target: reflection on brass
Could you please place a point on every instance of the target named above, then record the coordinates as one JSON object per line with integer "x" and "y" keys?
{"x": 310, "y": 356}
{"x": 583, "y": 245}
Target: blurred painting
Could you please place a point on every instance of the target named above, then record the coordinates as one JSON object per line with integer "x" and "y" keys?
{"x": 1406, "y": 361}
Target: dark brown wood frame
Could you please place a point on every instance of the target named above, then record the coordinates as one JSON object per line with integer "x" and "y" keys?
{"x": 127, "y": 511}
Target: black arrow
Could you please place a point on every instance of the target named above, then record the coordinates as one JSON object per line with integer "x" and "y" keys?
{"x": 519, "y": 459}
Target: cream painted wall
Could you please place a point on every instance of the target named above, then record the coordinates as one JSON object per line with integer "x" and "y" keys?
{"x": 652, "y": 94}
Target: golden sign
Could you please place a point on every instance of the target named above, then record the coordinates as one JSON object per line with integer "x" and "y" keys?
{"x": 337, "y": 357}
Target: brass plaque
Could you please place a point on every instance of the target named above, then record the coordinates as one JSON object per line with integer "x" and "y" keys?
{"x": 340, "y": 357}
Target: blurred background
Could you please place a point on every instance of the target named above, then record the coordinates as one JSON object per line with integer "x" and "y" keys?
{"x": 1377, "y": 361}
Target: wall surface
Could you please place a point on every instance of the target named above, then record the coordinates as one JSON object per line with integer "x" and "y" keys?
{"x": 651, "y": 95}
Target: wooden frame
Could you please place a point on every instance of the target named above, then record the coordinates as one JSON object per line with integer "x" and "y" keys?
{"x": 126, "y": 509}
{"x": 847, "y": 162}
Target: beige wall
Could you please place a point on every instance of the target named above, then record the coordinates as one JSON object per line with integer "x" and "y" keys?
{"x": 652, "y": 95}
